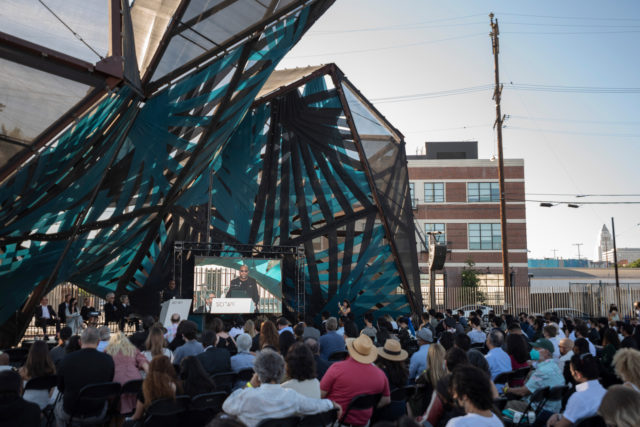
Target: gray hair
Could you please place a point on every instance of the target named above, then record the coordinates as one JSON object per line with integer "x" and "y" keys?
{"x": 109, "y": 295}
{"x": 105, "y": 333}
{"x": 313, "y": 345}
{"x": 331, "y": 324}
{"x": 496, "y": 338}
{"x": 269, "y": 366}
{"x": 90, "y": 336}
{"x": 243, "y": 341}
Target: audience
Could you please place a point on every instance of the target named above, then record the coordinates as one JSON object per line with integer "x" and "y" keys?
{"x": 38, "y": 364}
{"x": 269, "y": 337}
{"x": 620, "y": 407}
{"x": 331, "y": 341}
{"x": 128, "y": 362}
{"x": 224, "y": 339}
{"x": 418, "y": 361}
{"x": 266, "y": 398}
{"x": 585, "y": 401}
{"x": 15, "y": 411}
{"x": 78, "y": 369}
{"x": 105, "y": 337}
{"x": 428, "y": 379}
{"x": 321, "y": 364}
{"x": 139, "y": 338}
{"x": 499, "y": 360}
{"x": 354, "y": 376}
{"x": 243, "y": 359}
{"x": 161, "y": 382}
{"x": 392, "y": 360}
{"x": 626, "y": 365}
{"x": 545, "y": 374}
{"x": 155, "y": 345}
{"x": 191, "y": 347}
{"x": 57, "y": 353}
{"x": 310, "y": 331}
{"x": 172, "y": 329}
{"x": 286, "y": 336}
{"x": 5, "y": 361}
{"x": 195, "y": 380}
{"x": 301, "y": 371}
{"x": 214, "y": 359}
{"x": 471, "y": 388}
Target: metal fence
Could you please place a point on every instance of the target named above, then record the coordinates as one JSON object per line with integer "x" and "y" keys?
{"x": 578, "y": 299}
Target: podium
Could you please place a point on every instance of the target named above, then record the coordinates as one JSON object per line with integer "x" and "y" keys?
{"x": 232, "y": 305}
{"x": 169, "y": 307}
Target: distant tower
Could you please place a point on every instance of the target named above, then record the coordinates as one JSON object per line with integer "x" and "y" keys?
{"x": 605, "y": 243}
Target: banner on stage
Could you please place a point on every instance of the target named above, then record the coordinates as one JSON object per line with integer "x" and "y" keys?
{"x": 169, "y": 307}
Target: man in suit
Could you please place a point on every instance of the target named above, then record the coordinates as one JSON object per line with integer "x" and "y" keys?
{"x": 214, "y": 360}
{"x": 46, "y": 315}
{"x": 206, "y": 307}
{"x": 62, "y": 308}
{"x": 111, "y": 311}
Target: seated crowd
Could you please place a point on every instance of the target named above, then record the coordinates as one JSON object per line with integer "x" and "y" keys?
{"x": 434, "y": 369}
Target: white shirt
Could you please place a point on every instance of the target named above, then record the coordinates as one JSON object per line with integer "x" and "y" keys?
{"x": 45, "y": 312}
{"x": 592, "y": 348}
{"x": 165, "y": 352}
{"x": 309, "y": 388}
{"x": 253, "y": 405}
{"x": 235, "y": 331}
{"x": 556, "y": 346}
{"x": 585, "y": 401}
{"x": 564, "y": 359}
{"x": 475, "y": 420}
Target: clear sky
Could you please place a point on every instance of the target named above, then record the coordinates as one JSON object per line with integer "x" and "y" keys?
{"x": 573, "y": 140}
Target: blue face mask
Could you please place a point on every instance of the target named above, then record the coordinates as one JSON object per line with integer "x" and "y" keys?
{"x": 535, "y": 354}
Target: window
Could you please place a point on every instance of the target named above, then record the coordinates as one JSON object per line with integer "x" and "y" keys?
{"x": 485, "y": 237}
{"x": 412, "y": 192}
{"x": 483, "y": 192}
{"x": 434, "y": 192}
{"x": 492, "y": 286}
{"x": 430, "y": 227}
{"x": 424, "y": 288}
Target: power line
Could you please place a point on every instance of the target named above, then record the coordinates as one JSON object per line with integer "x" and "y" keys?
{"x": 583, "y": 18}
{"x": 568, "y": 132}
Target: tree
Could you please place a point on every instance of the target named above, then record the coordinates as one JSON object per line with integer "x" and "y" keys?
{"x": 634, "y": 264}
{"x": 471, "y": 281}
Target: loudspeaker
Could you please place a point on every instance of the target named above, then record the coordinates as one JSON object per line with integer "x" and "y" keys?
{"x": 437, "y": 256}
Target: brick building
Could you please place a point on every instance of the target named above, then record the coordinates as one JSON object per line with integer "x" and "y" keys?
{"x": 458, "y": 194}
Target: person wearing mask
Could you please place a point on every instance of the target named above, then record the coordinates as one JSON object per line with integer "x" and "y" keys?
{"x": 586, "y": 400}
{"x": 545, "y": 374}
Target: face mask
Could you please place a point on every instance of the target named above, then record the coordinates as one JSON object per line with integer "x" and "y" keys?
{"x": 535, "y": 354}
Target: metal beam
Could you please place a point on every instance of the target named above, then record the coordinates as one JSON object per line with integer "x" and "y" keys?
{"x": 53, "y": 62}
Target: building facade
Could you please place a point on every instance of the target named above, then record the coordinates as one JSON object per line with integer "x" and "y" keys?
{"x": 605, "y": 243}
{"x": 457, "y": 194}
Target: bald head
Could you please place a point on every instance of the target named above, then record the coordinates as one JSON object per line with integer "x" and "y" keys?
{"x": 565, "y": 346}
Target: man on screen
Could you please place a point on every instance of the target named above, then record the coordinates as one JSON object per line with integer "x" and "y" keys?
{"x": 244, "y": 286}
{"x": 207, "y": 307}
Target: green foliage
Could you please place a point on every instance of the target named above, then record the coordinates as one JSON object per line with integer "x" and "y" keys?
{"x": 634, "y": 264}
{"x": 471, "y": 281}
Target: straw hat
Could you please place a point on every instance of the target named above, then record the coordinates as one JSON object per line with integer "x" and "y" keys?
{"x": 361, "y": 349}
{"x": 392, "y": 351}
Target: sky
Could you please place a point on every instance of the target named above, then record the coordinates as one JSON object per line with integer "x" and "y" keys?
{"x": 571, "y": 94}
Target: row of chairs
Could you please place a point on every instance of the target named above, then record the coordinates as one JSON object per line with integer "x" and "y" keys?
{"x": 540, "y": 397}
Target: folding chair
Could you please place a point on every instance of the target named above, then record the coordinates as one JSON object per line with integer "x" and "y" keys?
{"x": 102, "y": 393}
{"x": 280, "y": 422}
{"x": 204, "y": 407}
{"x": 224, "y": 381}
{"x": 319, "y": 420}
{"x": 245, "y": 375}
{"x": 361, "y": 402}
{"x": 131, "y": 387}
{"x": 166, "y": 412}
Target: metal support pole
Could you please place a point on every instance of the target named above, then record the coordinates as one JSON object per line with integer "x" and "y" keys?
{"x": 615, "y": 262}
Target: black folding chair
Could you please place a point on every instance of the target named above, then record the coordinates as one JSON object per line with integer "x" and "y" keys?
{"x": 100, "y": 395}
{"x": 337, "y": 356}
{"x": 17, "y": 356}
{"x": 204, "y": 407}
{"x": 504, "y": 377}
{"x": 361, "y": 402}
{"x": 520, "y": 373}
{"x": 132, "y": 387}
{"x": 280, "y": 422}
{"x": 224, "y": 381}
{"x": 556, "y": 393}
{"x": 319, "y": 420}
{"x": 41, "y": 383}
{"x": 245, "y": 375}
{"x": 166, "y": 412}
{"x": 539, "y": 397}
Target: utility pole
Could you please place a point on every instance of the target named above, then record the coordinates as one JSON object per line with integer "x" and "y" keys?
{"x": 497, "y": 93}
{"x": 578, "y": 245}
{"x": 615, "y": 261}
{"x": 554, "y": 253}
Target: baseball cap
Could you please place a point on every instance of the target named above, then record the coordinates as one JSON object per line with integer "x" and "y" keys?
{"x": 544, "y": 343}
